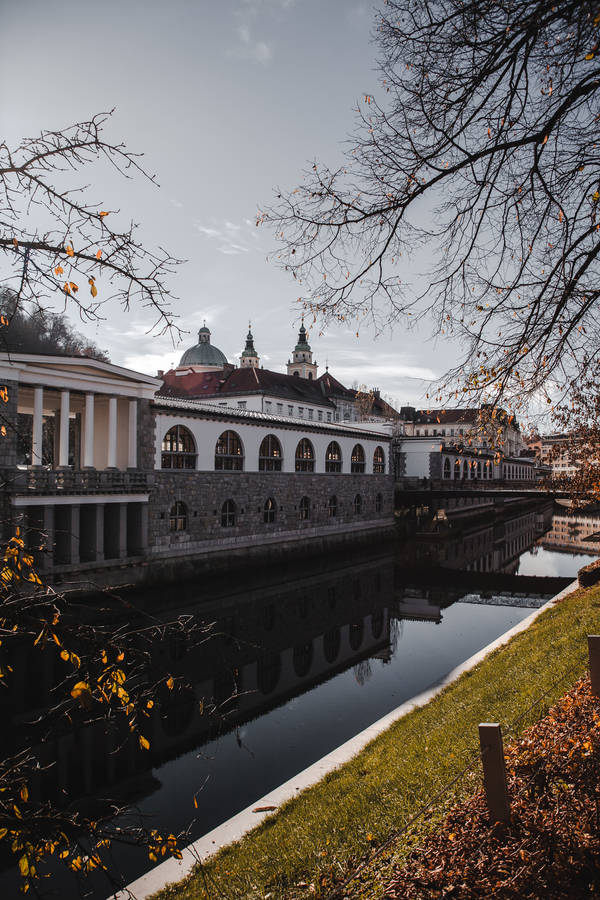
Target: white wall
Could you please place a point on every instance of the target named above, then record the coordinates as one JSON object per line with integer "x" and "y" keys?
{"x": 206, "y": 433}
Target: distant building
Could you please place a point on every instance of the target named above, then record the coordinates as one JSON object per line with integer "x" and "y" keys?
{"x": 205, "y": 374}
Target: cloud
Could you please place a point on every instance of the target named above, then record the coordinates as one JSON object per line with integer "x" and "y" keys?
{"x": 251, "y": 15}
{"x": 231, "y": 236}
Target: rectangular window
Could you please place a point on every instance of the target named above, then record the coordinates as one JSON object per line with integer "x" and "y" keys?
{"x": 290, "y": 410}
{"x": 320, "y": 416}
{"x": 418, "y": 432}
{"x": 300, "y": 412}
{"x": 268, "y": 405}
{"x": 310, "y": 413}
{"x": 329, "y": 417}
{"x": 280, "y": 409}
{"x": 242, "y": 404}
{"x": 452, "y": 432}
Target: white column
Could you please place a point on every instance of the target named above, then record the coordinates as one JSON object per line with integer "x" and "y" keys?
{"x": 63, "y": 446}
{"x": 88, "y": 434}
{"x": 132, "y": 455}
{"x": 112, "y": 433}
{"x": 38, "y": 420}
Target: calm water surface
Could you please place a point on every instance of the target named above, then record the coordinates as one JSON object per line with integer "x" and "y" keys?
{"x": 311, "y": 661}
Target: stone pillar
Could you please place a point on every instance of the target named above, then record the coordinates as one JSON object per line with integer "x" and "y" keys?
{"x": 122, "y": 525}
{"x": 99, "y": 532}
{"x": 88, "y": 435}
{"x": 132, "y": 461}
{"x": 48, "y": 537}
{"x": 74, "y": 535}
{"x": 38, "y": 421}
{"x": 111, "y": 462}
{"x": 63, "y": 445}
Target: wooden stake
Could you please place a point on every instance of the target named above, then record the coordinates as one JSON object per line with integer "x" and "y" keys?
{"x": 494, "y": 772}
{"x": 594, "y": 661}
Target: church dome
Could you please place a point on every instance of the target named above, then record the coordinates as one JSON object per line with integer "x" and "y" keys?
{"x": 203, "y": 353}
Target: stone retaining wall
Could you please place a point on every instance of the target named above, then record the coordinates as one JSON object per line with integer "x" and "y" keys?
{"x": 204, "y": 494}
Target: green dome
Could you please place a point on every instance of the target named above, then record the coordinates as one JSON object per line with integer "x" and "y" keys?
{"x": 203, "y": 353}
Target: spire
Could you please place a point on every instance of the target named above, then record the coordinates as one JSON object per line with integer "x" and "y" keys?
{"x": 249, "y": 357}
{"x": 302, "y": 340}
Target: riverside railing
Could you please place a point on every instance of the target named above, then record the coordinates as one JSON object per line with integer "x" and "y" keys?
{"x": 77, "y": 481}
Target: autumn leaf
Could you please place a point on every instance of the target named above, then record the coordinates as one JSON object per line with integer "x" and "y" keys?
{"x": 144, "y": 742}
{"x": 98, "y": 254}
{"x": 58, "y": 270}
{"x": 170, "y": 683}
{"x": 102, "y": 214}
{"x": 69, "y": 250}
{"x": 81, "y": 692}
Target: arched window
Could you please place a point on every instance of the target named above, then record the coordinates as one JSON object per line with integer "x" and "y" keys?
{"x": 270, "y": 511}
{"x": 305, "y": 509}
{"x": 305, "y": 456}
{"x": 228, "y": 452}
{"x": 378, "y": 503}
{"x": 379, "y": 461}
{"x": 357, "y": 505}
{"x": 270, "y": 455}
{"x": 178, "y": 516}
{"x": 472, "y": 469}
{"x": 465, "y": 469}
{"x": 178, "y": 449}
{"x": 268, "y": 671}
{"x": 333, "y": 458}
{"x": 331, "y": 644}
{"x": 377, "y": 624}
{"x": 228, "y": 512}
{"x": 447, "y": 472}
{"x": 355, "y": 635}
{"x": 332, "y": 507}
{"x": 357, "y": 461}
{"x": 457, "y": 468}
{"x": 302, "y": 656}
{"x": 479, "y": 468}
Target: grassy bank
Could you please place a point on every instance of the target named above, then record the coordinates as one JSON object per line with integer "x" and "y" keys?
{"x": 317, "y": 838}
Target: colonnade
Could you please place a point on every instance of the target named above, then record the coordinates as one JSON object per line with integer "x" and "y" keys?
{"x": 90, "y": 450}
{"x": 72, "y": 533}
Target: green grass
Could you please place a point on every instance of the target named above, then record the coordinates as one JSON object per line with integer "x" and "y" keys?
{"x": 329, "y": 828}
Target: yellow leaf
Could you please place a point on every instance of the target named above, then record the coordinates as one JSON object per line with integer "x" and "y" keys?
{"x": 24, "y": 866}
{"x": 64, "y": 654}
{"x": 69, "y": 250}
{"x": 3, "y": 832}
{"x": 94, "y": 290}
{"x": 81, "y": 691}
{"x": 102, "y": 214}
{"x": 149, "y": 704}
{"x": 170, "y": 683}
{"x": 98, "y": 254}
{"x": 144, "y": 742}
{"x": 24, "y": 794}
{"x": 58, "y": 270}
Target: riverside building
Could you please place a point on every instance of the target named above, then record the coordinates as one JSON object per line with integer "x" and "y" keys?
{"x": 127, "y": 477}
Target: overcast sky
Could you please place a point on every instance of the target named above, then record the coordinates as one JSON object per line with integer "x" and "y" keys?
{"x": 227, "y": 100}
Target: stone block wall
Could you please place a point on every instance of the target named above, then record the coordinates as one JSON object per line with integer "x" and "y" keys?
{"x": 204, "y": 494}
{"x": 146, "y": 433}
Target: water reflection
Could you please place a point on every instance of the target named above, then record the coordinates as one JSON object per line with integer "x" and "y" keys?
{"x": 293, "y": 666}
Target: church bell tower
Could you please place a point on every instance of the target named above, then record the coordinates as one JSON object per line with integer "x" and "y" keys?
{"x": 249, "y": 358}
{"x": 301, "y": 365}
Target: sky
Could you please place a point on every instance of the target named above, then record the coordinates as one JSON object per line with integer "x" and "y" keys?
{"x": 227, "y": 100}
